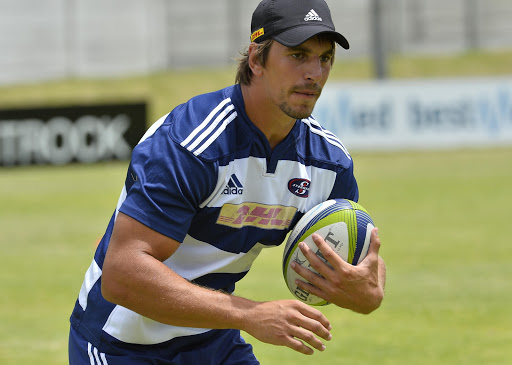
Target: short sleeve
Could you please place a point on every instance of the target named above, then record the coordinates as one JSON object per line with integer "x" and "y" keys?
{"x": 345, "y": 186}
{"x": 166, "y": 184}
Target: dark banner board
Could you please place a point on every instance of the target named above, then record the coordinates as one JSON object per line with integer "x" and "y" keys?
{"x": 62, "y": 135}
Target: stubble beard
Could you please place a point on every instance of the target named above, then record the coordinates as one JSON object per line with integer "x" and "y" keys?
{"x": 294, "y": 112}
{"x": 302, "y": 111}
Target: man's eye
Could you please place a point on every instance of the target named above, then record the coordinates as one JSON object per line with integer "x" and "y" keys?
{"x": 325, "y": 58}
{"x": 298, "y": 56}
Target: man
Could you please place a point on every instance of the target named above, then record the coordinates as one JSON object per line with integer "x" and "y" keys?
{"x": 206, "y": 191}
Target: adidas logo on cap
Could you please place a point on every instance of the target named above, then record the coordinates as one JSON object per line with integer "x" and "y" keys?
{"x": 312, "y": 15}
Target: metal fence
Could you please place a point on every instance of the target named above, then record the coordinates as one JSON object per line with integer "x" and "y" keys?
{"x": 49, "y": 39}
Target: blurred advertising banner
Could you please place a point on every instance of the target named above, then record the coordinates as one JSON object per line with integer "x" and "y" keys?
{"x": 422, "y": 114}
{"x": 61, "y": 135}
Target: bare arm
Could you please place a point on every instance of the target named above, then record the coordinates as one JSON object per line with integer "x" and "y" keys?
{"x": 135, "y": 277}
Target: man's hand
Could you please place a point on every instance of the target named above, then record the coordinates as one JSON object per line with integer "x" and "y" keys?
{"x": 135, "y": 277}
{"x": 288, "y": 323}
{"x": 359, "y": 288}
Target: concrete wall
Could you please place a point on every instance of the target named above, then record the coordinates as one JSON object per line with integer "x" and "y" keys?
{"x": 49, "y": 39}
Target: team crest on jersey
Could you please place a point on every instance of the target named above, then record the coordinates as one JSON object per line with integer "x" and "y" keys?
{"x": 256, "y": 215}
{"x": 233, "y": 187}
{"x": 299, "y": 187}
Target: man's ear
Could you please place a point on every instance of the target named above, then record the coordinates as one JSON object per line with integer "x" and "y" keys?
{"x": 254, "y": 62}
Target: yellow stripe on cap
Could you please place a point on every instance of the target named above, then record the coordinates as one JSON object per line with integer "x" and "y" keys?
{"x": 257, "y": 34}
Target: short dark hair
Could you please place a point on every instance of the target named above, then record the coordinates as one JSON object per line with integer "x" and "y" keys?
{"x": 244, "y": 73}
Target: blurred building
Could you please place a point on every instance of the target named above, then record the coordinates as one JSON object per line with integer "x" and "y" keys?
{"x": 51, "y": 39}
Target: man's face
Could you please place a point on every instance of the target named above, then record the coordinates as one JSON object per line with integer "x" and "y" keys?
{"x": 294, "y": 76}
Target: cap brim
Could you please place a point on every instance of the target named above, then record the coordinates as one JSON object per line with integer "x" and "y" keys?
{"x": 298, "y": 35}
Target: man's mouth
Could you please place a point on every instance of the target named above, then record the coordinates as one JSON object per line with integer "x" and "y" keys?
{"x": 306, "y": 92}
{"x": 311, "y": 91}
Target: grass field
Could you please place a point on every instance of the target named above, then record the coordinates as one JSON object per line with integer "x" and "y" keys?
{"x": 442, "y": 217}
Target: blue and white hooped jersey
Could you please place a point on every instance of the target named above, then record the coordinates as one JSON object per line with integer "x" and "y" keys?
{"x": 205, "y": 176}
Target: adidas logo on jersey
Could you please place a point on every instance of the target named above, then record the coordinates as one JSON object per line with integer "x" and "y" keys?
{"x": 233, "y": 187}
{"x": 312, "y": 15}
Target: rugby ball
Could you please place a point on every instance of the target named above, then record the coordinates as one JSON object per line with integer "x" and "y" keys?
{"x": 344, "y": 225}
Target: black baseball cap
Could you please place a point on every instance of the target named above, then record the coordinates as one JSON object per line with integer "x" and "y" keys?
{"x": 292, "y": 22}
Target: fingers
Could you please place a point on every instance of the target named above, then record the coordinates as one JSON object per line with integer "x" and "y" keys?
{"x": 313, "y": 289}
{"x": 313, "y": 257}
{"x": 316, "y": 281}
{"x": 327, "y": 252}
{"x": 289, "y": 323}
{"x": 329, "y": 281}
{"x": 312, "y": 324}
{"x": 331, "y": 257}
{"x": 373, "y": 250}
{"x": 315, "y": 321}
{"x": 300, "y": 337}
{"x": 374, "y": 242}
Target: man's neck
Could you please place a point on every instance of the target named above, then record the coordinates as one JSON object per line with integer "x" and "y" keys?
{"x": 267, "y": 116}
